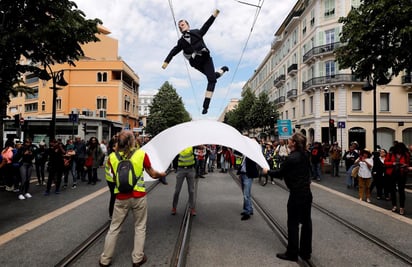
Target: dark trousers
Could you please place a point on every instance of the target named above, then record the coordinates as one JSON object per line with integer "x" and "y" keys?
{"x": 205, "y": 65}
{"x": 40, "y": 166}
{"x": 399, "y": 180}
{"x": 92, "y": 175}
{"x": 81, "y": 173}
{"x": 55, "y": 174}
{"x": 299, "y": 212}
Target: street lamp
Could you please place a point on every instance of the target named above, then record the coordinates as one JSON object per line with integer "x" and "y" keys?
{"x": 57, "y": 79}
{"x": 372, "y": 87}
{"x": 330, "y": 121}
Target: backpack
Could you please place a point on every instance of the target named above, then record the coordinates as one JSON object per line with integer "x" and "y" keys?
{"x": 126, "y": 178}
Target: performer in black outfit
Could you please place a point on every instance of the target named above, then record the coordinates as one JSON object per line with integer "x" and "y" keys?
{"x": 296, "y": 172}
{"x": 195, "y": 50}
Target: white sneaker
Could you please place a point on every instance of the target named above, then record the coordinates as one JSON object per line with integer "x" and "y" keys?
{"x": 9, "y": 188}
{"x": 27, "y": 195}
{"x": 368, "y": 200}
{"x": 21, "y": 197}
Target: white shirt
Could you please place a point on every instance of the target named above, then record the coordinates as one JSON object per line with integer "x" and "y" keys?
{"x": 364, "y": 170}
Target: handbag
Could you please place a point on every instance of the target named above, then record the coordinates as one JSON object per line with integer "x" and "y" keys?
{"x": 89, "y": 161}
{"x": 355, "y": 172}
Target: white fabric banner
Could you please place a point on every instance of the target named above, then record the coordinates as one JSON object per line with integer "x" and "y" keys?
{"x": 163, "y": 148}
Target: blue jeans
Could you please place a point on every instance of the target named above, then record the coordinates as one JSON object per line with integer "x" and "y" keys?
{"x": 246, "y": 189}
{"x": 316, "y": 170}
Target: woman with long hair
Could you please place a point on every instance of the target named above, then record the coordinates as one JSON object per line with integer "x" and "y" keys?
{"x": 397, "y": 162}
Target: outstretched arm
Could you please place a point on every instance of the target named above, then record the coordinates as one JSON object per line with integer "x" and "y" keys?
{"x": 175, "y": 50}
{"x": 155, "y": 174}
{"x": 209, "y": 23}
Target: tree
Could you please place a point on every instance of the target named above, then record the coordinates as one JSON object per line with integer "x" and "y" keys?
{"x": 262, "y": 113}
{"x": 45, "y": 32}
{"x": 377, "y": 40}
{"x": 166, "y": 110}
{"x": 244, "y": 108}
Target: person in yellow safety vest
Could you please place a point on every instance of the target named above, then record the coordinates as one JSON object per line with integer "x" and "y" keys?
{"x": 135, "y": 201}
{"x": 185, "y": 169}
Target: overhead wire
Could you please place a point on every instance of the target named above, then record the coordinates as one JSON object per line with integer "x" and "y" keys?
{"x": 187, "y": 67}
{"x": 258, "y": 9}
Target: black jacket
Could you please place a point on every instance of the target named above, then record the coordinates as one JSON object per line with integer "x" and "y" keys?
{"x": 196, "y": 41}
{"x": 295, "y": 170}
{"x": 252, "y": 170}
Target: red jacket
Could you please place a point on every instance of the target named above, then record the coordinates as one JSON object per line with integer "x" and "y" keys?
{"x": 391, "y": 159}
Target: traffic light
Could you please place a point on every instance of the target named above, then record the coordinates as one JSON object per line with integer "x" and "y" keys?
{"x": 84, "y": 127}
{"x": 331, "y": 123}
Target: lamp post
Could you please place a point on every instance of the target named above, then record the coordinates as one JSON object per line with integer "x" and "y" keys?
{"x": 327, "y": 90}
{"x": 57, "y": 79}
{"x": 372, "y": 87}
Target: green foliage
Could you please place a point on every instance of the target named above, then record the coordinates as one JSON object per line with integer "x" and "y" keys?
{"x": 252, "y": 112}
{"x": 46, "y": 32}
{"x": 378, "y": 39}
{"x": 166, "y": 110}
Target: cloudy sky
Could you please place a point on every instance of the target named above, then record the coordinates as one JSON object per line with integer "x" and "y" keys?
{"x": 146, "y": 31}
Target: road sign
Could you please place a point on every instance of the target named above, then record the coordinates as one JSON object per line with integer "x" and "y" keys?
{"x": 284, "y": 129}
{"x": 341, "y": 124}
{"x": 74, "y": 117}
{"x": 21, "y": 120}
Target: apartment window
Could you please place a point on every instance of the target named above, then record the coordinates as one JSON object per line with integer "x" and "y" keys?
{"x": 330, "y": 36}
{"x": 33, "y": 95}
{"x": 329, "y": 8}
{"x": 32, "y": 107}
{"x": 384, "y": 102}
{"x": 356, "y": 101}
{"x": 126, "y": 103}
{"x": 304, "y": 26}
{"x": 332, "y": 101}
{"x": 312, "y": 17}
{"x": 101, "y": 103}
{"x": 311, "y": 105}
{"x": 43, "y": 106}
{"x": 330, "y": 68}
{"x": 409, "y": 102}
{"x": 59, "y": 103}
{"x": 286, "y": 115}
{"x": 303, "y": 108}
{"x": 293, "y": 113}
{"x": 102, "y": 77}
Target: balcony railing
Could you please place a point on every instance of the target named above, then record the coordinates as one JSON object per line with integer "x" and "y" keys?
{"x": 280, "y": 101}
{"x": 337, "y": 79}
{"x": 407, "y": 80}
{"x": 292, "y": 94}
{"x": 320, "y": 50}
{"x": 279, "y": 80}
{"x": 293, "y": 69}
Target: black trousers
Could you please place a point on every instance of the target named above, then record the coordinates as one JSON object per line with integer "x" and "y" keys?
{"x": 204, "y": 64}
{"x": 299, "y": 212}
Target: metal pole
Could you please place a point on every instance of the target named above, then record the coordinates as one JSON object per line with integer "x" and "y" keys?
{"x": 53, "y": 120}
{"x": 375, "y": 135}
{"x": 330, "y": 117}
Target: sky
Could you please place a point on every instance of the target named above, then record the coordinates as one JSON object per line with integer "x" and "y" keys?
{"x": 240, "y": 38}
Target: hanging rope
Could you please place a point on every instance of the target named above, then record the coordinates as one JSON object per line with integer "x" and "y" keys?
{"x": 187, "y": 67}
{"x": 258, "y": 8}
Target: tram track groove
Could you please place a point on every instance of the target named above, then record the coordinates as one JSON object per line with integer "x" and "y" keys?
{"x": 81, "y": 249}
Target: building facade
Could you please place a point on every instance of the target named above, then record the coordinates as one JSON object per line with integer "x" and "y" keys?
{"x": 303, "y": 79}
{"x": 101, "y": 97}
